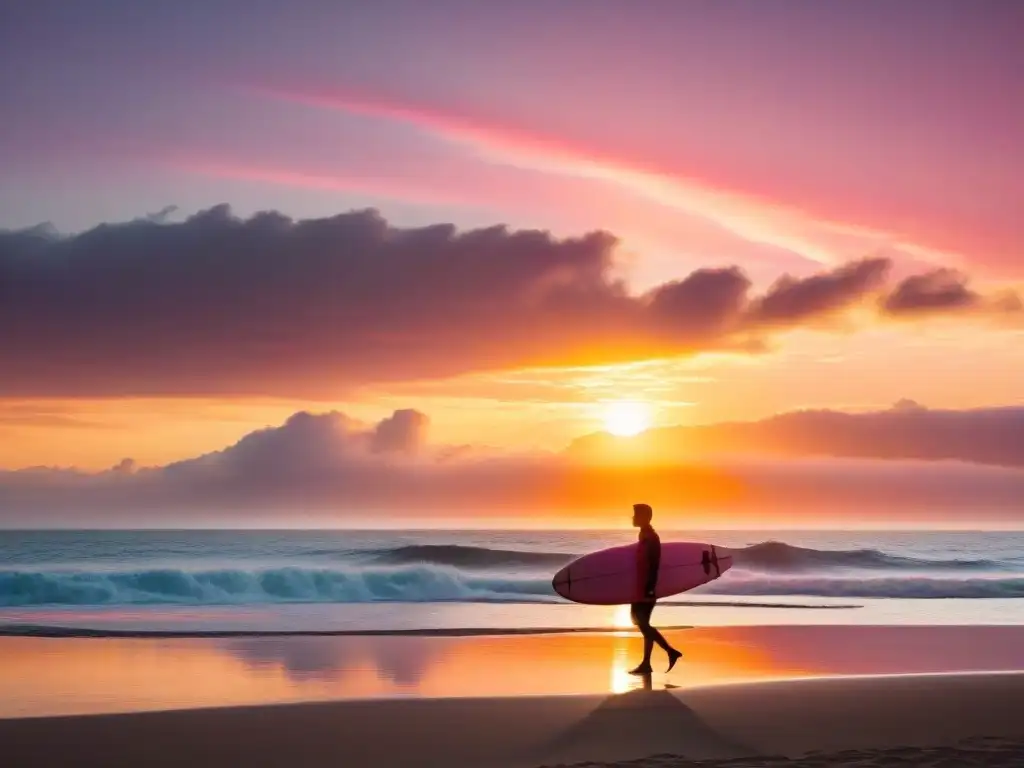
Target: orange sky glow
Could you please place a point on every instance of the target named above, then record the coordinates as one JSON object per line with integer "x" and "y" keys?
{"x": 480, "y": 266}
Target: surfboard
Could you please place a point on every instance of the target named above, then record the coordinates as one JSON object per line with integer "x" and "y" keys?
{"x": 609, "y": 576}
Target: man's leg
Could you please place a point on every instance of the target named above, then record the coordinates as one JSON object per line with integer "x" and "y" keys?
{"x": 647, "y": 631}
{"x": 651, "y": 636}
{"x": 641, "y": 615}
{"x": 658, "y": 638}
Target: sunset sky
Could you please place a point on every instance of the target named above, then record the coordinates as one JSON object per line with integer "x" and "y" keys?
{"x": 482, "y": 229}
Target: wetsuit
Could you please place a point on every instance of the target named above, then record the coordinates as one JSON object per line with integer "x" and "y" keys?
{"x": 648, "y": 559}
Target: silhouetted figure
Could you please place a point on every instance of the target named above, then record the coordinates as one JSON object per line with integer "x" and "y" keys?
{"x": 647, "y": 561}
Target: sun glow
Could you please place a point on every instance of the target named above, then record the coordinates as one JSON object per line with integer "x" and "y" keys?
{"x": 626, "y": 419}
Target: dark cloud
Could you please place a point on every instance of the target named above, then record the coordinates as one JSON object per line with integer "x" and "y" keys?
{"x": 215, "y": 304}
{"x": 324, "y": 469}
{"x": 709, "y": 302}
{"x": 791, "y": 300}
{"x": 165, "y": 213}
{"x": 945, "y": 290}
{"x": 993, "y": 436}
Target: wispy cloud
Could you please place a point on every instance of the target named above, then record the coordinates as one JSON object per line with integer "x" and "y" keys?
{"x": 755, "y": 218}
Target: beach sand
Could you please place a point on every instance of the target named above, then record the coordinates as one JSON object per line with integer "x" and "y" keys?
{"x": 930, "y": 720}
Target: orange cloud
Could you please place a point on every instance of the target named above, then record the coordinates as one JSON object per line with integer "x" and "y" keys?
{"x": 342, "y": 471}
{"x": 217, "y": 305}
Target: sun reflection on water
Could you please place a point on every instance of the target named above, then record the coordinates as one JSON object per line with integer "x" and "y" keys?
{"x": 621, "y": 681}
{"x": 621, "y": 620}
{"x": 621, "y": 662}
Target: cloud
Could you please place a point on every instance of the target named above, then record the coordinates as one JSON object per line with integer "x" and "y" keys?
{"x": 15, "y": 414}
{"x": 165, "y": 213}
{"x": 404, "y": 432}
{"x": 324, "y": 469}
{"x": 945, "y": 290}
{"x": 706, "y": 303}
{"x": 907, "y": 431}
{"x": 215, "y": 305}
{"x": 794, "y": 202}
{"x": 791, "y": 300}
{"x": 647, "y": 181}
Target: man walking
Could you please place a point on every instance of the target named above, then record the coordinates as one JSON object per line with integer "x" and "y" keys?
{"x": 648, "y": 560}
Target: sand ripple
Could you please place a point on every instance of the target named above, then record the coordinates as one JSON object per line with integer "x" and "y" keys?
{"x": 972, "y": 753}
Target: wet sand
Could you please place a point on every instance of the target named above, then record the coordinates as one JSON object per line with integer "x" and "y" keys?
{"x": 65, "y": 676}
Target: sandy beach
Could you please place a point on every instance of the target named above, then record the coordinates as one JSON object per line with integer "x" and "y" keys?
{"x": 877, "y": 721}
{"x": 751, "y": 696}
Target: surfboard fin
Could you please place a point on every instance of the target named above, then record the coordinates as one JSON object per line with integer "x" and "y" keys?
{"x": 709, "y": 560}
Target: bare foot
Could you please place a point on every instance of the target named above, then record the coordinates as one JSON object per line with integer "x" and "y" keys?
{"x": 643, "y": 669}
{"x": 673, "y": 657}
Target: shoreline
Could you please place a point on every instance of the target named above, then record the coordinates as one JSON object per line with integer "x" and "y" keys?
{"x": 58, "y": 632}
{"x": 715, "y": 723}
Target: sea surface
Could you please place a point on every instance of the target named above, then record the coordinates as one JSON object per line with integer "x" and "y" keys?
{"x": 201, "y": 582}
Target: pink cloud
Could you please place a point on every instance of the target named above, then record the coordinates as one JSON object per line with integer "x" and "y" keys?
{"x": 335, "y": 181}
{"x": 930, "y": 217}
{"x": 429, "y": 170}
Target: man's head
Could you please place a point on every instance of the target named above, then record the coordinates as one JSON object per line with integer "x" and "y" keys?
{"x": 642, "y": 514}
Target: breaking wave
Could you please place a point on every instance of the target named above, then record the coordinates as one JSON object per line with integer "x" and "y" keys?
{"x": 272, "y": 585}
{"x": 461, "y": 556}
{"x": 767, "y": 557}
{"x": 772, "y": 556}
{"x": 462, "y": 573}
{"x": 910, "y": 587}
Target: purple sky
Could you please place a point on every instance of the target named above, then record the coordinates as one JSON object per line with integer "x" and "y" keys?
{"x": 898, "y": 117}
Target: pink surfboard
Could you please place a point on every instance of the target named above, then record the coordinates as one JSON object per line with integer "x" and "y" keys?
{"x": 609, "y": 576}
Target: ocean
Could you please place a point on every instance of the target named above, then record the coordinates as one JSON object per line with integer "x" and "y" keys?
{"x": 198, "y": 582}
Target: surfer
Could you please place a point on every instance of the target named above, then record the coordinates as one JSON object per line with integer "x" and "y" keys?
{"x": 648, "y": 559}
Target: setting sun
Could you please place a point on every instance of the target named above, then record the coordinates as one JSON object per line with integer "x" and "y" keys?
{"x": 627, "y": 418}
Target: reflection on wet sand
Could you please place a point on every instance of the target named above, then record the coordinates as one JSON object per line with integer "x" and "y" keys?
{"x": 60, "y": 676}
